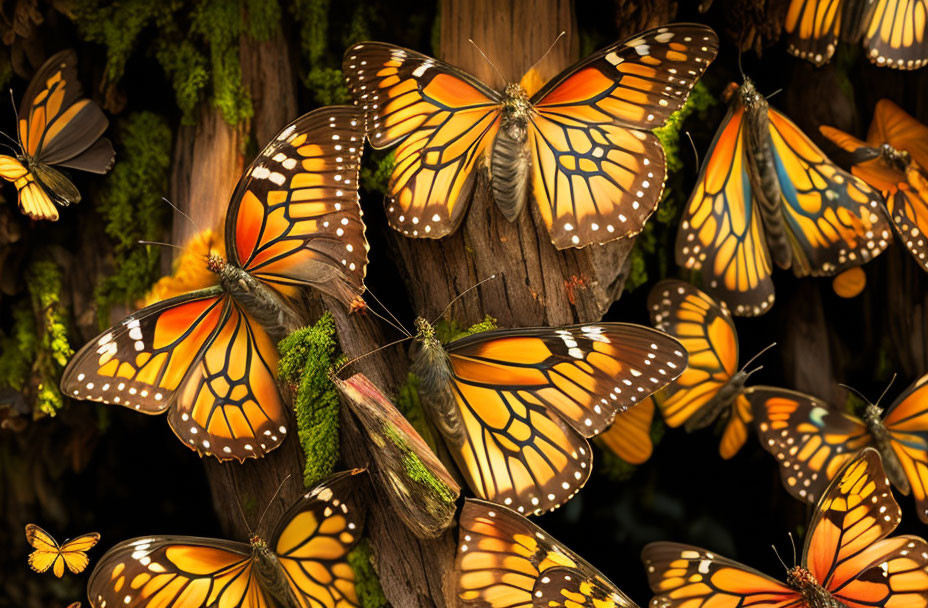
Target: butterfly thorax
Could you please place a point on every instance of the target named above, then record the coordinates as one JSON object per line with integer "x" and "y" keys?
{"x": 812, "y": 592}
{"x": 722, "y": 402}
{"x": 272, "y": 574}
{"x": 509, "y": 158}
{"x": 763, "y": 172}
{"x": 431, "y": 365}
{"x": 261, "y": 302}
{"x": 898, "y": 159}
{"x": 873, "y": 418}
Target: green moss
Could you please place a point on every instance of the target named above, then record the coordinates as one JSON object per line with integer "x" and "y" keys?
{"x": 188, "y": 71}
{"x": 416, "y": 470}
{"x": 219, "y": 24}
{"x": 17, "y": 350}
{"x": 307, "y": 355}
{"x": 649, "y": 256}
{"x": 132, "y": 209}
{"x": 52, "y": 349}
{"x": 367, "y": 585}
{"x": 448, "y": 331}
{"x": 376, "y": 175}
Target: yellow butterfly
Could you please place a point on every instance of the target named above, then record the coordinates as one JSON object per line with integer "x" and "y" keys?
{"x": 49, "y": 554}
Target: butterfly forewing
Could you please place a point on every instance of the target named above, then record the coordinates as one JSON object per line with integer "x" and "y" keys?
{"x": 721, "y": 233}
{"x": 810, "y": 440}
{"x": 505, "y": 560}
{"x": 907, "y": 423}
{"x": 229, "y": 404}
{"x": 313, "y": 540}
{"x": 142, "y": 361}
{"x": 295, "y": 218}
{"x": 443, "y": 120}
{"x": 597, "y": 171}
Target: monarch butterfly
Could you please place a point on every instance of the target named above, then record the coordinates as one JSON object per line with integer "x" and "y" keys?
{"x": 812, "y": 441}
{"x": 55, "y": 128}
{"x": 421, "y": 491}
{"x": 629, "y": 437}
{"x": 49, "y": 554}
{"x": 516, "y": 406}
{"x": 894, "y": 160}
{"x": 584, "y": 140}
{"x": 208, "y": 357}
{"x": 894, "y": 31}
{"x": 847, "y": 559}
{"x": 766, "y": 192}
{"x": 505, "y": 561}
{"x": 304, "y": 564}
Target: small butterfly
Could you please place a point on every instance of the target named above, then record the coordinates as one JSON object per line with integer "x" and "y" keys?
{"x": 894, "y": 160}
{"x": 304, "y": 564}
{"x": 55, "y": 128}
{"x": 811, "y": 440}
{"x": 584, "y": 141}
{"x": 49, "y": 554}
{"x": 505, "y": 561}
{"x": 847, "y": 559}
{"x": 894, "y": 32}
{"x": 629, "y": 437}
{"x": 208, "y": 357}
{"x": 767, "y": 193}
{"x": 421, "y": 491}
{"x": 516, "y": 406}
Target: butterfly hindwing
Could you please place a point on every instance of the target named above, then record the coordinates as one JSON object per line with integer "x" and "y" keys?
{"x": 814, "y": 26}
{"x": 907, "y": 423}
{"x": 629, "y": 437}
{"x": 528, "y": 398}
{"x": 721, "y": 233}
{"x": 443, "y": 119}
{"x": 295, "y": 217}
{"x": 810, "y": 440}
{"x": 505, "y": 560}
{"x": 896, "y": 35}
{"x": 597, "y": 171}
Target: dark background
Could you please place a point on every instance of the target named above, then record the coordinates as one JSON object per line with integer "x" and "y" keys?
{"x": 123, "y": 474}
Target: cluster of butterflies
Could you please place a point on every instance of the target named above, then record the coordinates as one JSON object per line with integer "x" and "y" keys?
{"x": 515, "y": 407}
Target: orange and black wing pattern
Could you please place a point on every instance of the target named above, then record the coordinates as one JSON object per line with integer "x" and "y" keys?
{"x": 847, "y": 550}
{"x": 705, "y": 329}
{"x": 528, "y": 398}
{"x": 295, "y": 217}
{"x": 721, "y": 234}
{"x": 34, "y": 201}
{"x": 810, "y": 440}
{"x": 834, "y": 220}
{"x": 47, "y": 554}
{"x": 505, "y": 561}
{"x": 597, "y": 170}
{"x": 813, "y": 27}
{"x": 313, "y": 540}
{"x": 907, "y": 423}
{"x": 443, "y": 120}
{"x": 685, "y": 576}
{"x": 629, "y": 437}
{"x": 896, "y": 35}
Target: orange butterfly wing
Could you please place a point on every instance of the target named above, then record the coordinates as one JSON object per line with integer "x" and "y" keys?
{"x": 504, "y": 559}
{"x": 721, "y": 232}
{"x": 810, "y": 440}
{"x": 597, "y": 170}
{"x": 528, "y": 398}
{"x": 295, "y": 216}
{"x": 629, "y": 437}
{"x": 443, "y": 119}
{"x": 907, "y": 423}
{"x": 896, "y": 35}
{"x": 685, "y": 576}
{"x": 814, "y": 26}
{"x": 893, "y": 125}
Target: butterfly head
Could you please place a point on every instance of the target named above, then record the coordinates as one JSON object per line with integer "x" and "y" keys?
{"x": 899, "y": 159}
{"x": 516, "y": 110}
{"x": 799, "y": 578}
{"x": 215, "y": 263}
{"x": 258, "y": 544}
{"x": 750, "y": 97}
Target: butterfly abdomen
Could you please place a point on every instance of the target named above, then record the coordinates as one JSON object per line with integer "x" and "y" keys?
{"x": 273, "y": 576}
{"x": 509, "y": 159}
{"x": 433, "y": 369}
{"x": 708, "y": 413}
{"x": 258, "y": 300}
{"x": 873, "y": 418}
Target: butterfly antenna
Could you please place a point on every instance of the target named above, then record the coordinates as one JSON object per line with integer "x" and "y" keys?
{"x": 792, "y": 541}
{"x": 159, "y": 244}
{"x": 13, "y": 103}
{"x": 271, "y": 501}
{"x": 493, "y": 65}
{"x": 462, "y": 294}
{"x": 396, "y": 324}
{"x": 9, "y": 138}
{"x": 556, "y": 40}
{"x": 777, "y": 553}
{"x": 367, "y": 354}
{"x": 886, "y": 390}
{"x": 695, "y": 151}
{"x": 772, "y": 94}
{"x": 178, "y": 209}
{"x": 241, "y": 511}
{"x": 855, "y": 391}
{"x": 10, "y": 148}
{"x": 740, "y": 70}
{"x": 762, "y": 351}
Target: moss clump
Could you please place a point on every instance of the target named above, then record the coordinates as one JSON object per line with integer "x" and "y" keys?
{"x": 307, "y": 355}
{"x": 448, "y": 331}
{"x": 130, "y": 203}
{"x": 17, "y": 350}
{"x": 648, "y": 256}
{"x": 367, "y": 585}
{"x": 416, "y": 470}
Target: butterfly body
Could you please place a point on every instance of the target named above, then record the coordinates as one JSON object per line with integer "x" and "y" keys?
{"x": 272, "y": 574}
{"x": 722, "y": 402}
{"x": 882, "y": 441}
{"x": 436, "y": 382}
{"x": 812, "y": 592}
{"x": 510, "y": 161}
